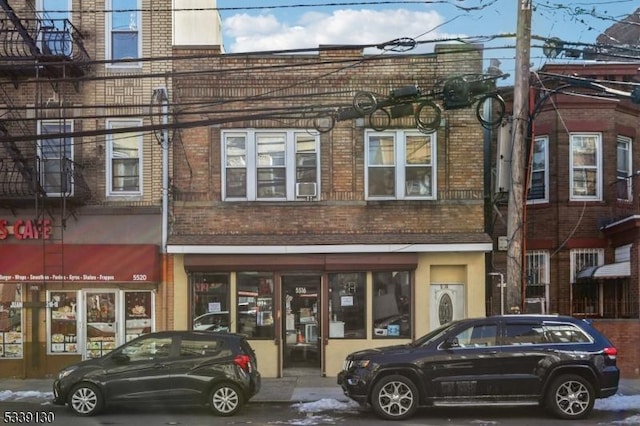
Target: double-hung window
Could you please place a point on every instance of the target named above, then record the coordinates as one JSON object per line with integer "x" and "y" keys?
{"x": 586, "y": 167}
{"x": 56, "y": 157}
{"x": 400, "y": 164}
{"x": 124, "y": 151}
{"x": 539, "y": 179}
{"x": 623, "y": 169}
{"x": 123, "y": 39}
{"x": 270, "y": 165}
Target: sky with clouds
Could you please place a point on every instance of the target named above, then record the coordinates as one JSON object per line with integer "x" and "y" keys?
{"x": 270, "y": 25}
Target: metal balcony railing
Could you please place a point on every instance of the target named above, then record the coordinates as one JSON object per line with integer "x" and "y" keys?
{"x": 15, "y": 183}
{"x": 608, "y": 308}
{"x": 54, "y": 42}
{"x": 23, "y": 180}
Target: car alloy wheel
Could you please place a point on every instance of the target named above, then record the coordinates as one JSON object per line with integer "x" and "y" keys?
{"x": 226, "y": 399}
{"x": 394, "y": 398}
{"x": 570, "y": 397}
{"x": 85, "y": 399}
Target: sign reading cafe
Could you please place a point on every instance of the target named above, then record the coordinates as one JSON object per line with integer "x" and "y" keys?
{"x": 29, "y": 229}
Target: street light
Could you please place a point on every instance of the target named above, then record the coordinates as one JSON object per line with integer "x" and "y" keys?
{"x": 502, "y": 286}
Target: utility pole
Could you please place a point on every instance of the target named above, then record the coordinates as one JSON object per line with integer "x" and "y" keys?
{"x": 515, "y": 219}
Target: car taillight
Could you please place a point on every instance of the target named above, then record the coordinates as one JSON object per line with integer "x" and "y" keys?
{"x": 244, "y": 362}
{"x": 611, "y": 352}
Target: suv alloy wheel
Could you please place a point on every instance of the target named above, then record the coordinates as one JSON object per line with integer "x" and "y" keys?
{"x": 395, "y": 398}
{"x": 570, "y": 397}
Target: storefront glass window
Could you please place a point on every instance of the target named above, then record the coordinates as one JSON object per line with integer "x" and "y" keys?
{"x": 255, "y": 305}
{"x": 210, "y": 294}
{"x": 391, "y": 304}
{"x": 10, "y": 320}
{"x": 101, "y": 323}
{"x": 347, "y": 301}
{"x": 138, "y": 313}
{"x": 63, "y": 322}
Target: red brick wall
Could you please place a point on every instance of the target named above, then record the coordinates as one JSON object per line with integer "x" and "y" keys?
{"x": 560, "y": 225}
{"x": 624, "y": 336}
{"x": 323, "y": 79}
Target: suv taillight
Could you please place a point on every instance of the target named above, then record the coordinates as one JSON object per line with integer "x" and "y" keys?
{"x": 244, "y": 362}
{"x": 611, "y": 352}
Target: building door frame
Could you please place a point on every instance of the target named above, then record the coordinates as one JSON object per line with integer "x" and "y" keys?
{"x": 301, "y": 306}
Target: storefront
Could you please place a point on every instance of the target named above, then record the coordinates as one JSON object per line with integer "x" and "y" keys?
{"x": 103, "y": 296}
{"x": 304, "y": 313}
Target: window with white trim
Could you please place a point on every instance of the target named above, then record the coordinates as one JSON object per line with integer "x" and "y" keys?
{"x": 537, "y": 289}
{"x": 123, "y": 23}
{"x": 539, "y": 179}
{"x": 124, "y": 153}
{"x": 56, "y": 158}
{"x": 583, "y": 258}
{"x": 400, "y": 165}
{"x": 623, "y": 169}
{"x": 585, "y": 166}
{"x": 270, "y": 165}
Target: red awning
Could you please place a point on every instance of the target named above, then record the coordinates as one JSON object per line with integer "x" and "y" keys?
{"x": 80, "y": 262}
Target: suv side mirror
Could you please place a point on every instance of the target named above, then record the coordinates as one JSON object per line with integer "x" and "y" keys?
{"x": 450, "y": 342}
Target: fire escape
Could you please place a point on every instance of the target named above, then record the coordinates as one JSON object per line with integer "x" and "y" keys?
{"x": 37, "y": 163}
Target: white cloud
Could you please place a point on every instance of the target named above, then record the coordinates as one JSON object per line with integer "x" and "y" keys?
{"x": 249, "y": 33}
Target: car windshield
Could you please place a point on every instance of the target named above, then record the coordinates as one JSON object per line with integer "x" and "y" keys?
{"x": 434, "y": 335}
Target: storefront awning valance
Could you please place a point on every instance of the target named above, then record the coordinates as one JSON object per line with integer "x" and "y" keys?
{"x": 603, "y": 272}
{"x": 80, "y": 262}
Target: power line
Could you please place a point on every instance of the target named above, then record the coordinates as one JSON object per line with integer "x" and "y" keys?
{"x": 455, "y": 4}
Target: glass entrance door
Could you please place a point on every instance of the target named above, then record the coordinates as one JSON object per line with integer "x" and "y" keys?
{"x": 301, "y": 324}
{"x": 102, "y": 329}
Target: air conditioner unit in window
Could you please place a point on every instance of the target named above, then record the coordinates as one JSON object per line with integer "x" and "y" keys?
{"x": 535, "y": 305}
{"x": 305, "y": 189}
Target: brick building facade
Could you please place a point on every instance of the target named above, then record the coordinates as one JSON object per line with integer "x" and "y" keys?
{"x": 80, "y": 185}
{"x": 283, "y": 188}
{"x": 580, "y": 231}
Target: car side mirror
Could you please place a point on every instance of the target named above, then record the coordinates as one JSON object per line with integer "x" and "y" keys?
{"x": 121, "y": 358}
{"x": 451, "y": 342}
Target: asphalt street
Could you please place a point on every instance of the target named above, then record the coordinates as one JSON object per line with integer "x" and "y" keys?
{"x": 296, "y": 414}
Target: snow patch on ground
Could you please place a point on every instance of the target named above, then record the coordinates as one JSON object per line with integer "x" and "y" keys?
{"x": 324, "y": 411}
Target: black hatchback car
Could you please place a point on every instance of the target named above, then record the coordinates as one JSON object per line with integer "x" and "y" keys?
{"x": 167, "y": 367}
{"x": 559, "y": 362}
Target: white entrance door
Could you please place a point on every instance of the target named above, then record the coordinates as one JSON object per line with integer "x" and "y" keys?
{"x": 446, "y": 304}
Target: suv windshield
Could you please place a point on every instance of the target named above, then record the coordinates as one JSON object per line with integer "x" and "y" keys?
{"x": 434, "y": 335}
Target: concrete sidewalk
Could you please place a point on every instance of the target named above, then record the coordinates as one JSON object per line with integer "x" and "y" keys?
{"x": 287, "y": 389}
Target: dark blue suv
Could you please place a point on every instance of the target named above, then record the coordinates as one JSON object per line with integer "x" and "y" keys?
{"x": 559, "y": 362}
